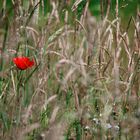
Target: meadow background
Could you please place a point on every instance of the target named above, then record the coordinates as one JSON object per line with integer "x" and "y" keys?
{"x": 85, "y": 84}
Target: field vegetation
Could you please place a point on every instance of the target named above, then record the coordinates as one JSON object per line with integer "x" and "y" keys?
{"x": 84, "y": 80}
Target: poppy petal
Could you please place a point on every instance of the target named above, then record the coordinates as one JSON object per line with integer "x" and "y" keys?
{"x": 23, "y": 62}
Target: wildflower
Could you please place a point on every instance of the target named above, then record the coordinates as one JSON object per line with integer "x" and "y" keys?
{"x": 23, "y": 62}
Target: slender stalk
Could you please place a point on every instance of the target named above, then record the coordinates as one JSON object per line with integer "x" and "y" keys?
{"x": 116, "y": 54}
{"x": 108, "y": 8}
{"x": 101, "y": 9}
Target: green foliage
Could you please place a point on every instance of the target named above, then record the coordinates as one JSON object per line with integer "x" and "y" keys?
{"x": 127, "y": 8}
{"x": 94, "y": 7}
{"x": 68, "y": 97}
{"x": 44, "y": 117}
{"x": 78, "y": 130}
{"x": 5, "y": 121}
{"x": 80, "y": 8}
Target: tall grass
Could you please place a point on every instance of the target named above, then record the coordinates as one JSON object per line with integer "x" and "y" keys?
{"x": 85, "y": 81}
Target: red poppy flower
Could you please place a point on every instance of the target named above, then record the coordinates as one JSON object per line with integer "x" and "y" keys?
{"x": 23, "y": 62}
